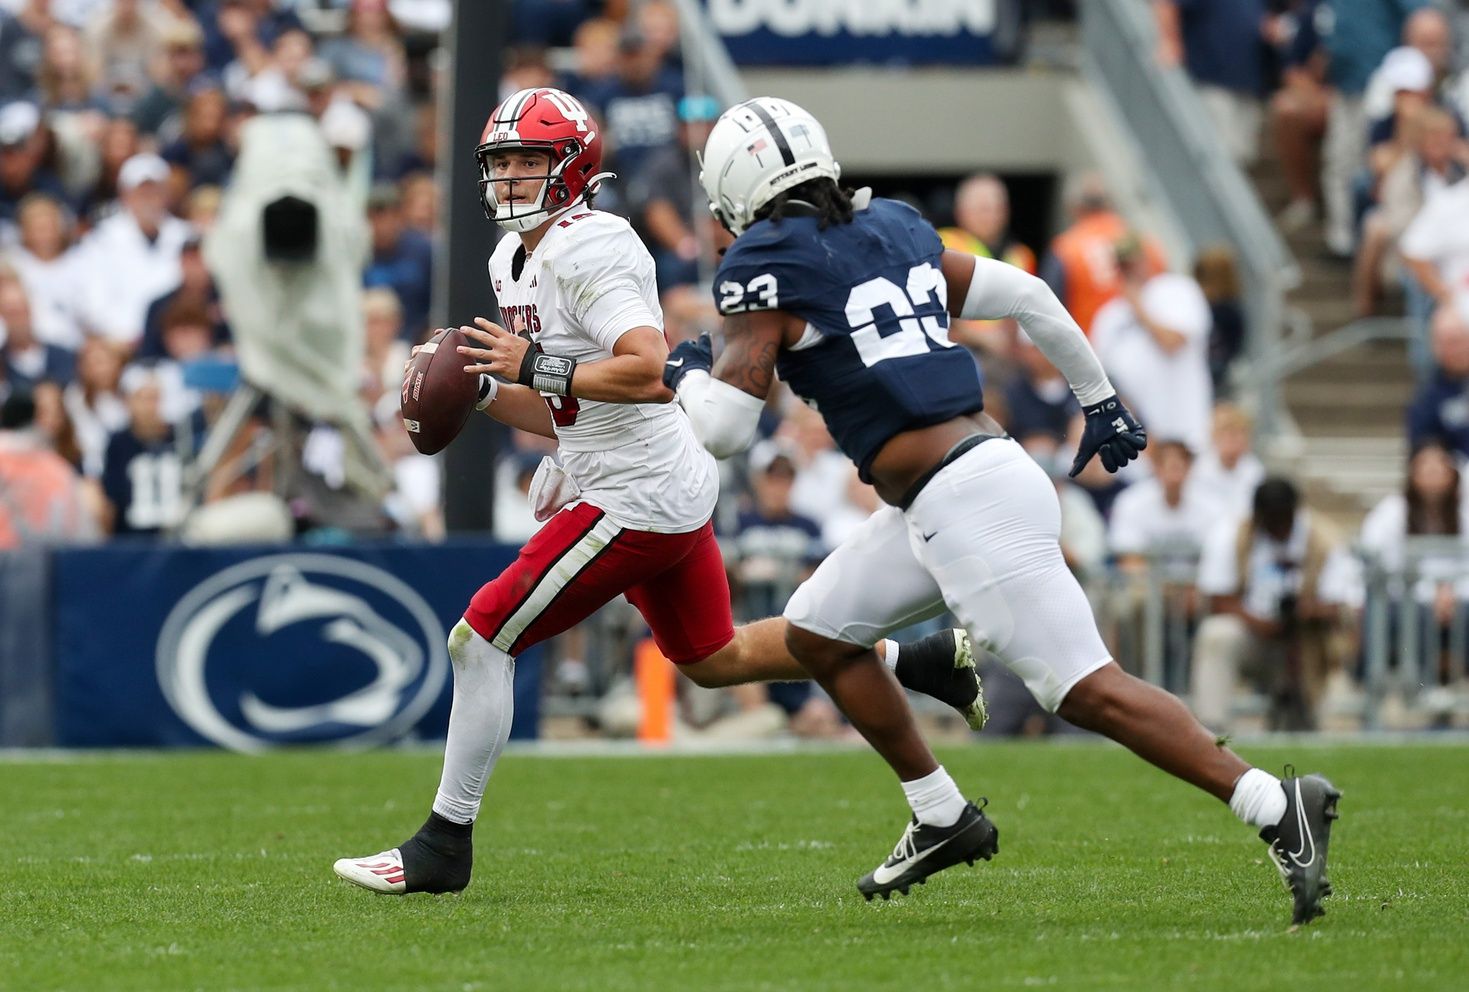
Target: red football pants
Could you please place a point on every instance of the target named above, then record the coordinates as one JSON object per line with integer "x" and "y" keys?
{"x": 580, "y": 560}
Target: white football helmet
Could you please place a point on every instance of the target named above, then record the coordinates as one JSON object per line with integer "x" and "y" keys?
{"x": 757, "y": 149}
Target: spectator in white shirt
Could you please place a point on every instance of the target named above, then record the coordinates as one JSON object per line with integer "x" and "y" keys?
{"x": 1430, "y": 506}
{"x": 1157, "y": 527}
{"x": 1432, "y": 161}
{"x": 95, "y": 403}
{"x": 1229, "y": 472}
{"x": 1275, "y": 584}
{"x": 132, "y": 257}
{"x": 1154, "y": 342}
{"x": 1435, "y": 246}
{"x": 821, "y": 471}
{"x": 1162, "y": 515}
{"x": 861, "y": 502}
{"x": 48, "y": 267}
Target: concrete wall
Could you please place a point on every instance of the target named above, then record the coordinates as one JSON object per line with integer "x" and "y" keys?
{"x": 948, "y": 122}
{"x": 935, "y": 120}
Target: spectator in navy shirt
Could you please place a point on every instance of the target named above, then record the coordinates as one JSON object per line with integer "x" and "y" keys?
{"x": 26, "y": 360}
{"x": 1440, "y": 411}
{"x": 20, "y": 48}
{"x": 201, "y": 153}
{"x": 638, "y": 107}
{"x": 182, "y": 68}
{"x": 661, "y": 198}
{"x": 233, "y": 25}
{"x": 1220, "y": 43}
{"x": 1039, "y": 399}
{"x": 142, "y": 474}
{"x": 22, "y": 147}
{"x": 774, "y": 548}
{"x": 402, "y": 259}
{"x": 547, "y": 22}
{"x": 1298, "y": 108}
{"x": 196, "y": 288}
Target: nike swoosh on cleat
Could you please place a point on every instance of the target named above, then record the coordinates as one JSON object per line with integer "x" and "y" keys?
{"x": 930, "y": 537}
{"x": 674, "y": 363}
{"x": 884, "y": 874}
{"x": 1303, "y": 824}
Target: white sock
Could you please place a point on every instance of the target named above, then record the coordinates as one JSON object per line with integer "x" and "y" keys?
{"x": 1259, "y": 799}
{"x": 484, "y": 701}
{"x": 935, "y": 799}
{"x": 889, "y": 654}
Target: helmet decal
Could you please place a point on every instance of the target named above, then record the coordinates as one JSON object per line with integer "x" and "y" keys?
{"x": 757, "y": 150}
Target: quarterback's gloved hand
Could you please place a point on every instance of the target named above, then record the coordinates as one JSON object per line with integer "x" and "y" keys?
{"x": 689, "y": 355}
{"x": 1112, "y": 432}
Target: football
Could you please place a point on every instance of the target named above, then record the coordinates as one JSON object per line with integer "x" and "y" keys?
{"x": 438, "y": 396}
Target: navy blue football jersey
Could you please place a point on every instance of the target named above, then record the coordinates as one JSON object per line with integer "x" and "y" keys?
{"x": 876, "y": 359}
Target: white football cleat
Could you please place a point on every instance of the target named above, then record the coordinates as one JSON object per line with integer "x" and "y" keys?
{"x": 379, "y": 872}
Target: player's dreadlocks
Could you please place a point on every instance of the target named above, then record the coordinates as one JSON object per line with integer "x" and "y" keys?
{"x": 820, "y": 198}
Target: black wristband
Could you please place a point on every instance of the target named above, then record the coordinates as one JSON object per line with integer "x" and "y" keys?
{"x": 547, "y": 373}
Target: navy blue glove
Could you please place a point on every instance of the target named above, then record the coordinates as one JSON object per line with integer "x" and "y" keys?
{"x": 689, "y": 355}
{"x": 1111, "y": 432}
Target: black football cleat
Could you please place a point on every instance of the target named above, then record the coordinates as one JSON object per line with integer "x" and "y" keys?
{"x": 925, "y": 849}
{"x": 1298, "y": 843}
{"x": 942, "y": 665}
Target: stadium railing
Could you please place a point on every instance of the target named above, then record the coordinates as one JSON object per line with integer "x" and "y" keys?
{"x": 1206, "y": 191}
{"x": 1410, "y": 658}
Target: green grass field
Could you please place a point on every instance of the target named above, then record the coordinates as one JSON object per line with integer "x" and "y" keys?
{"x": 211, "y": 871}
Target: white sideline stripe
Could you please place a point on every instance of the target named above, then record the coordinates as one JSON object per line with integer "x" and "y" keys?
{"x": 558, "y": 578}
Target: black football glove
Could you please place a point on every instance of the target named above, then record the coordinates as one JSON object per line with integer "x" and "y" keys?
{"x": 689, "y": 355}
{"x": 1111, "y": 432}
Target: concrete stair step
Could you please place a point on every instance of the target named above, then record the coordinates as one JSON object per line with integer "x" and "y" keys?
{"x": 1324, "y": 392}
{"x": 1310, "y": 242}
{"x": 1328, "y": 313}
{"x": 1319, "y": 279}
{"x": 1359, "y": 382}
{"x": 1349, "y": 408}
{"x": 1317, "y": 418}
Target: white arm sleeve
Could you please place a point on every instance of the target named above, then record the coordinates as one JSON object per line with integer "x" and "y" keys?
{"x": 725, "y": 417}
{"x": 999, "y": 290}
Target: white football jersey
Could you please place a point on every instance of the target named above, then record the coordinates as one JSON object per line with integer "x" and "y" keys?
{"x": 588, "y": 282}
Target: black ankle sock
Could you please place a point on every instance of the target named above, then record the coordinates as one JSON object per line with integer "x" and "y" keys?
{"x": 441, "y": 825}
{"x": 927, "y": 666}
{"x": 439, "y": 857}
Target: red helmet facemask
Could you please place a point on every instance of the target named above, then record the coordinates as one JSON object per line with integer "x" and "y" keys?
{"x": 549, "y": 121}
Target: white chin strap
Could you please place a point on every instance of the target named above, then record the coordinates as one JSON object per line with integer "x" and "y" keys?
{"x": 521, "y": 217}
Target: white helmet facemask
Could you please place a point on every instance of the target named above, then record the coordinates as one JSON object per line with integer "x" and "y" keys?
{"x": 757, "y": 150}
{"x": 524, "y": 216}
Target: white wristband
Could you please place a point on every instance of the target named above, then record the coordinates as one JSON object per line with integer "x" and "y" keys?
{"x": 489, "y": 386}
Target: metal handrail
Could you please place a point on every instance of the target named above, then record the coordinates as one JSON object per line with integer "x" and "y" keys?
{"x": 706, "y": 59}
{"x": 1291, "y": 359}
{"x": 1204, "y": 188}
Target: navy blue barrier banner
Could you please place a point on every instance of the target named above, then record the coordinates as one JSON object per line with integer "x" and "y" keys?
{"x": 252, "y": 648}
{"x": 834, "y": 32}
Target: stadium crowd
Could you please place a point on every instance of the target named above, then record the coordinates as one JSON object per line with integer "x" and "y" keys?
{"x": 118, "y": 128}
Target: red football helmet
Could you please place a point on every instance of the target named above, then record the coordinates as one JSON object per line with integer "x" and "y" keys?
{"x": 551, "y": 121}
